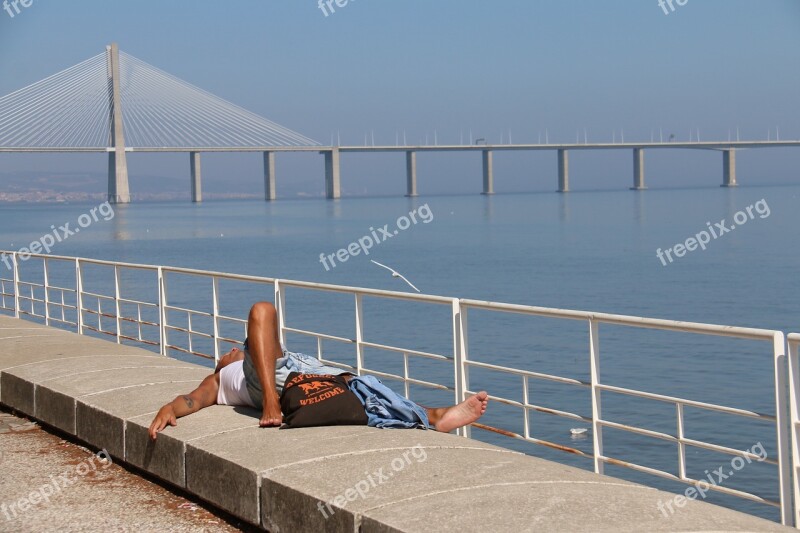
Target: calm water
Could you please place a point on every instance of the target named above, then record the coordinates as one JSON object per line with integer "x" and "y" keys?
{"x": 589, "y": 251}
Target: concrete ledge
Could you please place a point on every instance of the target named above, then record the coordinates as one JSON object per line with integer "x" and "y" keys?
{"x": 294, "y": 509}
{"x": 353, "y": 479}
{"x": 165, "y": 457}
{"x": 56, "y": 409}
{"x": 253, "y": 453}
{"x": 102, "y": 429}
{"x": 17, "y": 393}
{"x": 224, "y": 483}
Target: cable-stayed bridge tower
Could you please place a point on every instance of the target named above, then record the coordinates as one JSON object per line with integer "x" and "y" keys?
{"x": 118, "y": 104}
{"x": 118, "y": 189}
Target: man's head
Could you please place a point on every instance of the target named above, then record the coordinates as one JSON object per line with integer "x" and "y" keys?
{"x": 231, "y": 357}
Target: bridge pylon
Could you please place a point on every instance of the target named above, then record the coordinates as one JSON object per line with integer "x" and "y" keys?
{"x": 118, "y": 189}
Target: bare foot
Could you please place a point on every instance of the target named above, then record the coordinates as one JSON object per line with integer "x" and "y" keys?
{"x": 271, "y": 414}
{"x": 464, "y": 413}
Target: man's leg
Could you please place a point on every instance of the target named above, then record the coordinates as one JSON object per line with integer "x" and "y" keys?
{"x": 446, "y": 419}
{"x": 264, "y": 347}
{"x": 388, "y": 409}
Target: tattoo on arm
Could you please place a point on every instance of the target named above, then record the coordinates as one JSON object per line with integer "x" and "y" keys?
{"x": 189, "y": 402}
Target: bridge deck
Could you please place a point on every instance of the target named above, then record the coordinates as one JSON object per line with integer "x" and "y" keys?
{"x": 385, "y": 480}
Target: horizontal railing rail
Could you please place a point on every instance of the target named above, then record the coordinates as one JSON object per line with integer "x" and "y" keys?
{"x": 175, "y": 327}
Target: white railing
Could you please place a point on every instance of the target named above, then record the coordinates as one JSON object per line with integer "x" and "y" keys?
{"x": 155, "y": 323}
{"x": 794, "y": 403}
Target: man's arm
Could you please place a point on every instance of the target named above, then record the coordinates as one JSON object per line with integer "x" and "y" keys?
{"x": 203, "y": 396}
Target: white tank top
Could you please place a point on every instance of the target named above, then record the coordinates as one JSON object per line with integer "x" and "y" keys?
{"x": 232, "y": 386}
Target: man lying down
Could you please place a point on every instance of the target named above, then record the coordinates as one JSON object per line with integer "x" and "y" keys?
{"x": 266, "y": 377}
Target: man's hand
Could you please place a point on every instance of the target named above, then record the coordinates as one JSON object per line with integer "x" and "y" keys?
{"x": 203, "y": 396}
{"x": 166, "y": 416}
{"x": 271, "y": 416}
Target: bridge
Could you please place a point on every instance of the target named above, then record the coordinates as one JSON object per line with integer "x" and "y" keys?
{"x": 117, "y": 104}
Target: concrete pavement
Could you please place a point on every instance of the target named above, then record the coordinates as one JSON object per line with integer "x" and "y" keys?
{"x": 50, "y": 484}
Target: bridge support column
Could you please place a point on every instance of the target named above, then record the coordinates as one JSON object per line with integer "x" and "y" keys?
{"x": 638, "y": 170}
{"x": 332, "y": 176}
{"x": 197, "y": 178}
{"x": 269, "y": 176}
{"x": 563, "y": 170}
{"x": 729, "y": 168}
{"x": 411, "y": 173}
{"x": 488, "y": 172}
{"x": 118, "y": 190}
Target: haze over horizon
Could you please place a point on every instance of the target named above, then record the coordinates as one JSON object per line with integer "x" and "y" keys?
{"x": 442, "y": 70}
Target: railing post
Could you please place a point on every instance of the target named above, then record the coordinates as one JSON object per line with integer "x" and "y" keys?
{"x": 79, "y": 294}
{"x": 526, "y": 400}
{"x": 782, "y": 425}
{"x": 139, "y": 321}
{"x": 116, "y": 304}
{"x": 407, "y": 388}
{"x": 460, "y": 355}
{"x": 16, "y": 284}
{"x": 597, "y": 428}
{"x": 681, "y": 445}
{"x": 189, "y": 333}
{"x": 162, "y": 311}
{"x": 280, "y": 305}
{"x": 46, "y": 292}
{"x": 215, "y": 297}
{"x": 794, "y": 407}
{"x": 100, "y": 315}
{"x": 360, "y": 336}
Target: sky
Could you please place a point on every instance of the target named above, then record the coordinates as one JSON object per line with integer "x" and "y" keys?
{"x": 442, "y": 68}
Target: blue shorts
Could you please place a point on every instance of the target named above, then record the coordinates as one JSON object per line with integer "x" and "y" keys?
{"x": 290, "y": 362}
{"x": 385, "y": 408}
